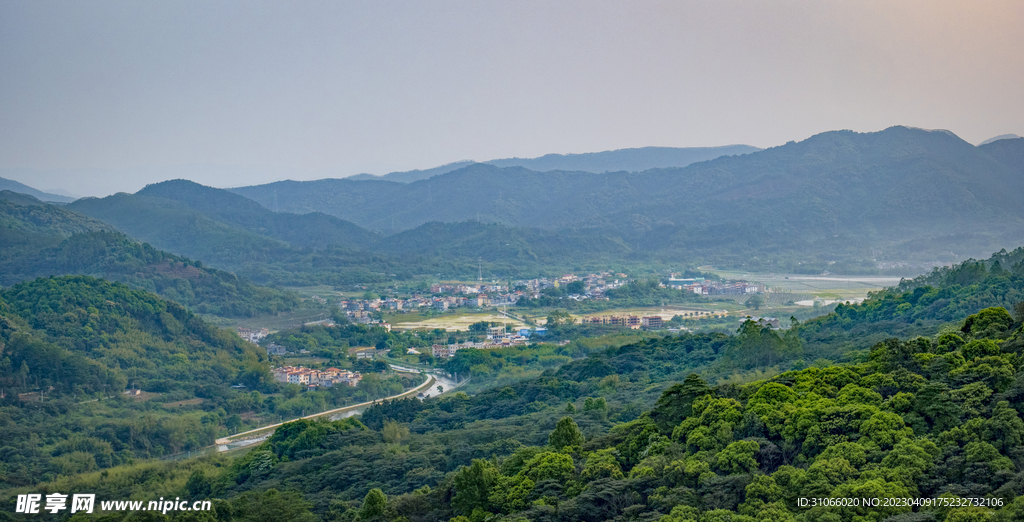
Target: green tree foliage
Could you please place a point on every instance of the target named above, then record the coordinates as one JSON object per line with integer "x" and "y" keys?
{"x": 917, "y": 417}
{"x": 472, "y": 486}
{"x": 273, "y": 506}
{"x": 373, "y": 505}
{"x": 559, "y": 317}
{"x": 566, "y": 434}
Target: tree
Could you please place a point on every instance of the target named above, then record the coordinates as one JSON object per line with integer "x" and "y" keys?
{"x": 273, "y": 506}
{"x": 559, "y": 317}
{"x": 990, "y": 322}
{"x": 566, "y": 434}
{"x": 675, "y": 403}
{"x": 394, "y": 432}
{"x": 738, "y": 457}
{"x": 755, "y": 301}
{"x": 373, "y": 505}
{"x": 472, "y": 485}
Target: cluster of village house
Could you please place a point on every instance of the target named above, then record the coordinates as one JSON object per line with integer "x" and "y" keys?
{"x": 630, "y": 321}
{"x": 253, "y": 335}
{"x": 497, "y": 337}
{"x": 315, "y": 378}
{"x": 481, "y": 295}
{"x": 455, "y": 295}
{"x": 704, "y": 287}
{"x": 595, "y": 286}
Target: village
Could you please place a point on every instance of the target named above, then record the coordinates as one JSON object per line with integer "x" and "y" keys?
{"x": 444, "y": 296}
{"x": 311, "y": 378}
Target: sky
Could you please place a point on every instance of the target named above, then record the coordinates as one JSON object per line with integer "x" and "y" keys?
{"x": 100, "y": 97}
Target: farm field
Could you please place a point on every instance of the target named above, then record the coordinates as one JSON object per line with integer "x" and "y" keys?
{"x": 807, "y": 287}
{"x": 447, "y": 322}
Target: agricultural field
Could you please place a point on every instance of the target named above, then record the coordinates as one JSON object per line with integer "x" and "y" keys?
{"x": 800, "y": 288}
{"x": 452, "y": 322}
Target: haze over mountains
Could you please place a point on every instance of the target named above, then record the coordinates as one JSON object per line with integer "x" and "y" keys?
{"x": 629, "y": 160}
{"x": 896, "y": 186}
{"x": 21, "y": 188}
{"x": 837, "y": 197}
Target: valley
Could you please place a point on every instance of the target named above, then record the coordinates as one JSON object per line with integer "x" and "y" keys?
{"x": 655, "y": 364}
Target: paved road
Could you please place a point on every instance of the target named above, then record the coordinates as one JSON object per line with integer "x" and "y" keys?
{"x": 226, "y": 440}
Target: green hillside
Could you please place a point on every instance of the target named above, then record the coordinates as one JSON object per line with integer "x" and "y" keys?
{"x": 921, "y": 306}
{"x": 231, "y": 232}
{"x": 39, "y": 240}
{"x": 306, "y": 230}
{"x": 70, "y": 346}
{"x": 755, "y": 429}
{"x": 72, "y": 339}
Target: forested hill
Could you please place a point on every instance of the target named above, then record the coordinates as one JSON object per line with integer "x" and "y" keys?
{"x": 234, "y": 233}
{"x": 300, "y": 230}
{"x": 593, "y": 441}
{"x": 69, "y": 346}
{"x": 919, "y": 306}
{"x": 22, "y": 215}
{"x": 38, "y": 239}
{"x": 1008, "y": 151}
{"x": 895, "y": 186}
{"x": 80, "y": 335}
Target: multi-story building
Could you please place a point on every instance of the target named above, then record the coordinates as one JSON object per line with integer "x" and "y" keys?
{"x": 654, "y": 321}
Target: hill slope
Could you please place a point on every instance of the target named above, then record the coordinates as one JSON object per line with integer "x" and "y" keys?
{"x": 38, "y": 240}
{"x": 14, "y": 186}
{"x": 66, "y": 339}
{"x": 306, "y": 230}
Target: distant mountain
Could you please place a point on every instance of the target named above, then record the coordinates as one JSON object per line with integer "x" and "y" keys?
{"x": 997, "y": 138}
{"x": 24, "y": 214}
{"x": 505, "y": 245}
{"x": 14, "y": 186}
{"x": 1009, "y": 152}
{"x": 864, "y": 190}
{"x": 39, "y": 240}
{"x": 628, "y": 160}
{"x": 314, "y": 229}
{"x": 413, "y": 175}
{"x": 231, "y": 232}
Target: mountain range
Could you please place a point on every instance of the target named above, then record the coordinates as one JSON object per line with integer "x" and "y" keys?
{"x": 875, "y": 190}
{"x": 839, "y": 199}
{"x": 626, "y": 160}
{"x": 21, "y": 188}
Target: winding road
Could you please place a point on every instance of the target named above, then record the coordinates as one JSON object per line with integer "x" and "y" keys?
{"x": 266, "y": 431}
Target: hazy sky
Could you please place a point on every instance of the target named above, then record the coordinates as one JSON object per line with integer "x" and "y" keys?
{"x": 111, "y": 95}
